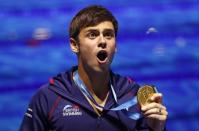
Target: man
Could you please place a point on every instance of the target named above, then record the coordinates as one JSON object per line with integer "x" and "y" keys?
{"x": 84, "y": 98}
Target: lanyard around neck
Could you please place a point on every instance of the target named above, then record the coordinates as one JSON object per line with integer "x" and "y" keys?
{"x": 123, "y": 107}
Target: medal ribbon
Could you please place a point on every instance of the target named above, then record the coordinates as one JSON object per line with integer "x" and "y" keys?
{"x": 122, "y": 107}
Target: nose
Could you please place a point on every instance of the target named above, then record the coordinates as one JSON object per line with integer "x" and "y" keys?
{"x": 102, "y": 42}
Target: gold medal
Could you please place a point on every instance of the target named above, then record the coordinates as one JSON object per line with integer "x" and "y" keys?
{"x": 144, "y": 94}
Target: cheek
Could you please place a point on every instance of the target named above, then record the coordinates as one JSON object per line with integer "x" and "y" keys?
{"x": 112, "y": 47}
{"x": 87, "y": 51}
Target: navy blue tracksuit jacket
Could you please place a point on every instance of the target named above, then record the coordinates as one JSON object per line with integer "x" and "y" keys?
{"x": 61, "y": 106}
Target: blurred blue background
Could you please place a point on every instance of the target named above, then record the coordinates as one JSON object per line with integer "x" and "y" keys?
{"x": 157, "y": 44}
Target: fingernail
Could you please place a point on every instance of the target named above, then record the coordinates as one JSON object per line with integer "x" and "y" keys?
{"x": 152, "y": 98}
{"x": 143, "y": 108}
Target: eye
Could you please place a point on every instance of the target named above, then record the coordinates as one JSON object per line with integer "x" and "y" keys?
{"x": 92, "y": 35}
{"x": 109, "y": 35}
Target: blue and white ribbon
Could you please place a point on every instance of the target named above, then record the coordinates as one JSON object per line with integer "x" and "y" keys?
{"x": 124, "y": 107}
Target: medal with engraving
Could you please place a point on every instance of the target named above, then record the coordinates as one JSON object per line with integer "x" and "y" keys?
{"x": 144, "y": 94}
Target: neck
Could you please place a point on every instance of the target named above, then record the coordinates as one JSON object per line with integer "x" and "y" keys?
{"x": 96, "y": 82}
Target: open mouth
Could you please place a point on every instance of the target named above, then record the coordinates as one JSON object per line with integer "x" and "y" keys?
{"x": 102, "y": 55}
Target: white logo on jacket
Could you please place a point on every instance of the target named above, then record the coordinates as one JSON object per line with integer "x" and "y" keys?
{"x": 70, "y": 110}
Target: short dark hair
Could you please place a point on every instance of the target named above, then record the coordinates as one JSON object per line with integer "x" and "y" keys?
{"x": 91, "y": 16}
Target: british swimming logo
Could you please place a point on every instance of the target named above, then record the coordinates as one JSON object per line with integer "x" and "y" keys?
{"x": 71, "y": 110}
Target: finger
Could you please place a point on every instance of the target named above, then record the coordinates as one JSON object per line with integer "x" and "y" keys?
{"x": 158, "y": 111}
{"x": 153, "y": 111}
{"x": 156, "y": 97}
{"x": 157, "y": 116}
{"x": 151, "y": 106}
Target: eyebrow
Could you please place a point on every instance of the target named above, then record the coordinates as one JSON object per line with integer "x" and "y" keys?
{"x": 109, "y": 30}
{"x": 90, "y": 30}
{"x": 105, "y": 30}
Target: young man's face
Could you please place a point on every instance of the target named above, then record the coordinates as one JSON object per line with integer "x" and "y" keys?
{"x": 96, "y": 46}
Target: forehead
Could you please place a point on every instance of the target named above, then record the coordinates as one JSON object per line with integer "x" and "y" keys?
{"x": 106, "y": 25}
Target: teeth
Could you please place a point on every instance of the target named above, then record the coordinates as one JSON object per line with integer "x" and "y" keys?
{"x": 102, "y": 55}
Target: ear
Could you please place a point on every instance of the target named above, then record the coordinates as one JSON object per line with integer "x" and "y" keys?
{"x": 74, "y": 45}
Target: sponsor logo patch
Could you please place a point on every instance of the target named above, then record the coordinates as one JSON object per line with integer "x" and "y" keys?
{"x": 71, "y": 110}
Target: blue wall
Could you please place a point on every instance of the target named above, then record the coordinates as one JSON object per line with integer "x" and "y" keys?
{"x": 157, "y": 44}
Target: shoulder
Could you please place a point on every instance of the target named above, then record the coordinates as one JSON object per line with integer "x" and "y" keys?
{"x": 43, "y": 96}
{"x": 42, "y": 91}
